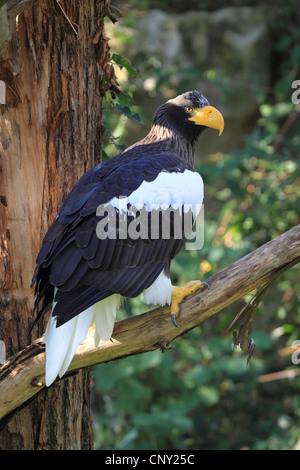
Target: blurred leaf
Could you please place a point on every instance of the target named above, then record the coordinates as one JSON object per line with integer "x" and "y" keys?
{"x": 208, "y": 395}
{"x": 123, "y": 62}
{"x": 160, "y": 420}
{"x": 197, "y": 375}
{"x": 123, "y": 109}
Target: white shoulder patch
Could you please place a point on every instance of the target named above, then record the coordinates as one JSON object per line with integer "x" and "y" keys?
{"x": 183, "y": 189}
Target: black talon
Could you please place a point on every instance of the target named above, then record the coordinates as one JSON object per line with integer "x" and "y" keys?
{"x": 174, "y": 320}
{"x": 205, "y": 284}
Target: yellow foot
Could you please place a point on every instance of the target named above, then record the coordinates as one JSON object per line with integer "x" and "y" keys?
{"x": 179, "y": 293}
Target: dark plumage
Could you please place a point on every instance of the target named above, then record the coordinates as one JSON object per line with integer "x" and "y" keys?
{"x": 84, "y": 269}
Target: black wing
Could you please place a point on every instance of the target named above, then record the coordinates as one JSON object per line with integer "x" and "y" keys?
{"x": 86, "y": 269}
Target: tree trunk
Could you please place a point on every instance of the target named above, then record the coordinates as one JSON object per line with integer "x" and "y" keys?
{"x": 50, "y": 135}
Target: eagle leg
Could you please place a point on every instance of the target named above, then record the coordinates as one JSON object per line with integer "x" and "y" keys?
{"x": 179, "y": 293}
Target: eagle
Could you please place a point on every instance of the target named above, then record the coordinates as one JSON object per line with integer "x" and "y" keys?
{"x": 118, "y": 229}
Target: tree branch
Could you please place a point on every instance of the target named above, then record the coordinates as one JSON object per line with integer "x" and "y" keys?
{"x": 22, "y": 376}
{"x": 15, "y": 7}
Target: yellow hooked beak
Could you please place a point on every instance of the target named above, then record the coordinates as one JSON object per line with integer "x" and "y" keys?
{"x": 209, "y": 117}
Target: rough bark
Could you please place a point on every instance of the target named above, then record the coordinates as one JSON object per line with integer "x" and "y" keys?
{"x": 23, "y": 376}
{"x": 50, "y": 135}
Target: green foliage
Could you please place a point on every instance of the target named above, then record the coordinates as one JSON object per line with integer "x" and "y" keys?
{"x": 115, "y": 116}
{"x": 123, "y": 62}
{"x": 201, "y": 395}
{"x": 118, "y": 109}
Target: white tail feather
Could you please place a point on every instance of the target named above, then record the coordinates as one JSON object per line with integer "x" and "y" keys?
{"x": 105, "y": 315}
{"x": 80, "y": 329}
{"x": 62, "y": 342}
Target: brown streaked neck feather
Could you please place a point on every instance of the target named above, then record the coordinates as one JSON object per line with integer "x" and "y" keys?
{"x": 169, "y": 141}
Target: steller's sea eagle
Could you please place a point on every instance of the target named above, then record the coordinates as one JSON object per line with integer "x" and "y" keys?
{"x": 104, "y": 245}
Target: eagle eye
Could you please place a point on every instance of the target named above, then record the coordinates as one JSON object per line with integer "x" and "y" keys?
{"x": 189, "y": 109}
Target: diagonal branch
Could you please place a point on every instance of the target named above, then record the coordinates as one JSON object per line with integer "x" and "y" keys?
{"x": 22, "y": 376}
